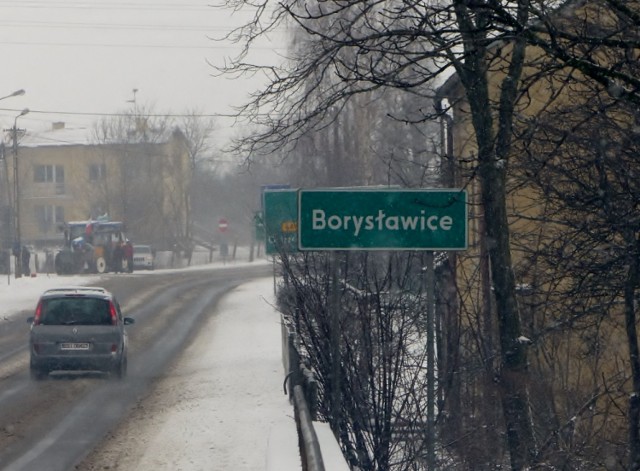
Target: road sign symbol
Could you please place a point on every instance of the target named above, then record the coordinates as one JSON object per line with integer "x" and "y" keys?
{"x": 289, "y": 226}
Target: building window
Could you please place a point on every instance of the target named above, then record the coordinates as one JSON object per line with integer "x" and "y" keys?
{"x": 97, "y": 172}
{"x": 49, "y": 216}
{"x": 48, "y": 174}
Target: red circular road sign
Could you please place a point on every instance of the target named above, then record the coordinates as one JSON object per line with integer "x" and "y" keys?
{"x": 222, "y": 225}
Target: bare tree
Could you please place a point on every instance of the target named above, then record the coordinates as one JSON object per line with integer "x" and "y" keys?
{"x": 344, "y": 50}
{"x": 362, "y": 46}
{"x": 383, "y": 391}
{"x": 146, "y": 148}
{"x": 198, "y": 139}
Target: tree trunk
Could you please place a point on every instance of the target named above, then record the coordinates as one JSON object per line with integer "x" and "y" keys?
{"x": 514, "y": 377}
{"x": 494, "y": 143}
{"x": 634, "y": 361}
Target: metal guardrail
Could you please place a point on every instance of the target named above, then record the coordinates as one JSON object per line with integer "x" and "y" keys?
{"x": 296, "y": 371}
{"x": 310, "y": 452}
{"x": 303, "y": 392}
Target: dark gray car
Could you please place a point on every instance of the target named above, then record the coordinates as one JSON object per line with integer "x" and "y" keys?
{"x": 78, "y": 328}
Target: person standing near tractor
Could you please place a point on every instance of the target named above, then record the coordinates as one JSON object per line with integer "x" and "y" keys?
{"x": 26, "y": 256}
{"x": 128, "y": 255}
{"x": 118, "y": 253}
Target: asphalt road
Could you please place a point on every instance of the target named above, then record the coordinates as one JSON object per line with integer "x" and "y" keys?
{"x": 55, "y": 423}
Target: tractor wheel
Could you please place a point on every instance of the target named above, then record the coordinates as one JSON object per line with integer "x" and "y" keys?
{"x": 101, "y": 265}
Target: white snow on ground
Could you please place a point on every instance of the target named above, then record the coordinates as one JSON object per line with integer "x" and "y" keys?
{"x": 226, "y": 408}
{"x": 231, "y": 404}
{"x": 332, "y": 457}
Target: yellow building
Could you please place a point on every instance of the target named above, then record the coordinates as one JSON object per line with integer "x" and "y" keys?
{"x": 62, "y": 176}
{"x": 567, "y": 270}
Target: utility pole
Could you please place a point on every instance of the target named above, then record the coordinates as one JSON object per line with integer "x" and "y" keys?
{"x": 7, "y": 217}
{"x": 16, "y": 187}
{"x": 10, "y": 217}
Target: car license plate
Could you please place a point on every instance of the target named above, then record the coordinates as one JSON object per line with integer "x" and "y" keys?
{"x": 74, "y": 346}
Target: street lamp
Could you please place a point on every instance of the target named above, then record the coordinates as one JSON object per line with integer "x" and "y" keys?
{"x": 16, "y": 189}
{"x": 16, "y": 93}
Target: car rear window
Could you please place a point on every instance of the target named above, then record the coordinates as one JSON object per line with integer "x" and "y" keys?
{"x": 75, "y": 311}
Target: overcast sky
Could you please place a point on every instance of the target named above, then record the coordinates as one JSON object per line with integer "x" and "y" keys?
{"x": 79, "y": 60}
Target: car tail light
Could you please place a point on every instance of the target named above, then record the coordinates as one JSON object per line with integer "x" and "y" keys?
{"x": 114, "y": 348}
{"x": 36, "y": 318}
{"x": 114, "y": 314}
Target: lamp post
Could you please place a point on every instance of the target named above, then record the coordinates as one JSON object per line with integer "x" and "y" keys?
{"x": 16, "y": 188}
{"x": 16, "y": 93}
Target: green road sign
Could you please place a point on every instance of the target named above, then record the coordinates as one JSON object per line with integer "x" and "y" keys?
{"x": 377, "y": 219}
{"x": 280, "y": 220}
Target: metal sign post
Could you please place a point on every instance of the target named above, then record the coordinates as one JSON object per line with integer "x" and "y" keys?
{"x": 430, "y": 280}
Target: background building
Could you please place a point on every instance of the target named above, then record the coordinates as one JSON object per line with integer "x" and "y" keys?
{"x": 66, "y": 175}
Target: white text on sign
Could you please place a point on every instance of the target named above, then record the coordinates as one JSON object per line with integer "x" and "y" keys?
{"x": 379, "y": 222}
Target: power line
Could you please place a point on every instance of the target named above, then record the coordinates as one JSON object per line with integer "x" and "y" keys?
{"x": 123, "y": 114}
{"x": 83, "y": 25}
{"x": 214, "y": 45}
{"x": 25, "y": 4}
{"x": 27, "y": 24}
{"x": 34, "y": 25}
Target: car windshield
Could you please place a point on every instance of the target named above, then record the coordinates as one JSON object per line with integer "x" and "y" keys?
{"x": 142, "y": 249}
{"x": 75, "y": 311}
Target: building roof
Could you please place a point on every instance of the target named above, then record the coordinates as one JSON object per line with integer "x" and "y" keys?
{"x": 60, "y": 134}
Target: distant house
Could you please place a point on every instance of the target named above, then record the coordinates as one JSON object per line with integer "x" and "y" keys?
{"x": 63, "y": 176}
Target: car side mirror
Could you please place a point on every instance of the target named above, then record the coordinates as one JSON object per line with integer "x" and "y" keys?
{"x": 30, "y": 320}
{"x": 129, "y": 320}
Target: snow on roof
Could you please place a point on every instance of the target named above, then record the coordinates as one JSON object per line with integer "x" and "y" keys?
{"x": 59, "y": 134}
{"x": 63, "y": 134}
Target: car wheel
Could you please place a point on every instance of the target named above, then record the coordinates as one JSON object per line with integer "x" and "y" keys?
{"x": 120, "y": 370}
{"x": 38, "y": 374}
